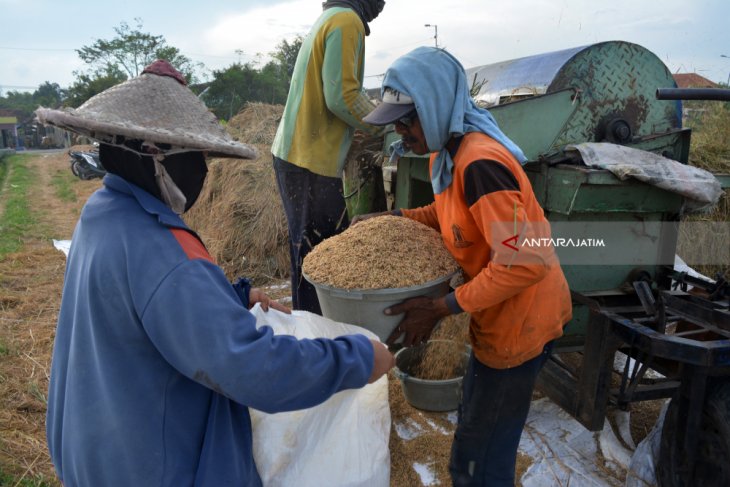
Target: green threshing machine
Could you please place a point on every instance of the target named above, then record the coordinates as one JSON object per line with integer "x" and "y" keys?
{"x": 607, "y": 92}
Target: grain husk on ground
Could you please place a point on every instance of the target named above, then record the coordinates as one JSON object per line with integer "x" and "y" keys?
{"x": 379, "y": 253}
{"x": 30, "y": 292}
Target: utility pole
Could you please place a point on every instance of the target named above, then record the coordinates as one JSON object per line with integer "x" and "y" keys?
{"x": 435, "y": 33}
{"x": 728, "y": 75}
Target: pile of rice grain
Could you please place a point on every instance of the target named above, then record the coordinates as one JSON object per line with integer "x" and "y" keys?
{"x": 440, "y": 360}
{"x": 379, "y": 253}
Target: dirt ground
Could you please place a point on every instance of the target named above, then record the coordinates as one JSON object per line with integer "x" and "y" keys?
{"x": 30, "y": 290}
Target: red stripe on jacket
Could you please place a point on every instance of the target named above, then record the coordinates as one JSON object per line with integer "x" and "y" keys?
{"x": 190, "y": 244}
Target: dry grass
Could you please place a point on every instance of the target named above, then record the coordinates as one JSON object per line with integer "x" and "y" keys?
{"x": 710, "y": 133}
{"x": 710, "y": 150}
{"x": 30, "y": 293}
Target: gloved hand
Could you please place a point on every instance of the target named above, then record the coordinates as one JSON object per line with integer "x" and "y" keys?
{"x": 383, "y": 361}
{"x": 422, "y": 316}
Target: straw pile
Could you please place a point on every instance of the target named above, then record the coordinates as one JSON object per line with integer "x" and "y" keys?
{"x": 378, "y": 253}
{"x": 239, "y": 214}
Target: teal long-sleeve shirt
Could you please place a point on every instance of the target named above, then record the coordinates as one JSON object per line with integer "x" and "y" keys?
{"x": 326, "y": 102}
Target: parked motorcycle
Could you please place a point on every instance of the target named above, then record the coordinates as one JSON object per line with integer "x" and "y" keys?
{"x": 86, "y": 164}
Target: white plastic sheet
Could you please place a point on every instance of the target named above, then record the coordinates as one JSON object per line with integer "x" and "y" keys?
{"x": 340, "y": 443}
{"x": 699, "y": 187}
{"x": 564, "y": 453}
{"x": 642, "y": 469}
{"x": 62, "y": 245}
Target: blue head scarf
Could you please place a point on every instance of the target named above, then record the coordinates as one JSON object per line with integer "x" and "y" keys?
{"x": 437, "y": 83}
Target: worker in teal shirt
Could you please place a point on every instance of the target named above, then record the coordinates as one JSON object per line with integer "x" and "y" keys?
{"x": 326, "y": 103}
{"x": 157, "y": 358}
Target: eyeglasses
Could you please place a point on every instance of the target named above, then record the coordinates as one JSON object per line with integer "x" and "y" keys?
{"x": 408, "y": 119}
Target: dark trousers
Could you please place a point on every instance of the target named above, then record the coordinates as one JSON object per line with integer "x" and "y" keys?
{"x": 315, "y": 210}
{"x": 492, "y": 414}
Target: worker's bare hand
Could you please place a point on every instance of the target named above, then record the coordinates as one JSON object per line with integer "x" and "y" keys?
{"x": 383, "y": 361}
{"x": 256, "y": 295}
{"x": 358, "y": 218}
{"x": 422, "y": 314}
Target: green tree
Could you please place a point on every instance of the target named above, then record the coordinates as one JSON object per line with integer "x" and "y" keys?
{"x": 87, "y": 85}
{"x": 131, "y": 50}
{"x": 241, "y": 83}
{"x": 123, "y": 57}
{"x": 286, "y": 55}
{"x": 49, "y": 95}
{"x": 23, "y": 104}
{"x": 230, "y": 89}
{"x": 19, "y": 103}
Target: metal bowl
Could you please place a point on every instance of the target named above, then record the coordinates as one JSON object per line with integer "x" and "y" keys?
{"x": 429, "y": 395}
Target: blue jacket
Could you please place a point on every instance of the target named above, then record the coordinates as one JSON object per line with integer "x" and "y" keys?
{"x": 156, "y": 359}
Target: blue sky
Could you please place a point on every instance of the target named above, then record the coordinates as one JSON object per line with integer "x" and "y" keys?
{"x": 38, "y": 37}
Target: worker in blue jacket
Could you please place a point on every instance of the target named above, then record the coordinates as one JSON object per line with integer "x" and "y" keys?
{"x": 157, "y": 358}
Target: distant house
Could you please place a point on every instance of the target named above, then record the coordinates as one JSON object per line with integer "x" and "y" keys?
{"x": 693, "y": 80}
{"x": 692, "y": 110}
{"x": 8, "y": 131}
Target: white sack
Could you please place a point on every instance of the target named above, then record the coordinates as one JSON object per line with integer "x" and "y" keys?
{"x": 342, "y": 442}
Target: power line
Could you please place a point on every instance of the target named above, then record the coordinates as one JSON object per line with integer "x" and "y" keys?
{"x": 33, "y": 49}
{"x": 67, "y": 50}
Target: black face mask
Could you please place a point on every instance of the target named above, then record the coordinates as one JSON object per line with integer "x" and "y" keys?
{"x": 187, "y": 169}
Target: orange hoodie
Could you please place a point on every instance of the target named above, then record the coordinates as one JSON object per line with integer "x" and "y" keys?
{"x": 518, "y": 299}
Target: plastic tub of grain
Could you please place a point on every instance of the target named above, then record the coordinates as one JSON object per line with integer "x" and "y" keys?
{"x": 375, "y": 264}
{"x": 431, "y": 375}
{"x": 364, "y": 307}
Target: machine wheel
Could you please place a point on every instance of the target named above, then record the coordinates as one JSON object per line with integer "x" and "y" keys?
{"x": 713, "y": 447}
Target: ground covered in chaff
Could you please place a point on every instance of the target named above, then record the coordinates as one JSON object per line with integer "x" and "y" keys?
{"x": 30, "y": 293}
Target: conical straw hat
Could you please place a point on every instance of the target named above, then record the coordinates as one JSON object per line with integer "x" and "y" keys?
{"x": 155, "y": 106}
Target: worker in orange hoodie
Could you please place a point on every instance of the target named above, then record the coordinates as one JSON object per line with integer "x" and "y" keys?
{"x": 485, "y": 210}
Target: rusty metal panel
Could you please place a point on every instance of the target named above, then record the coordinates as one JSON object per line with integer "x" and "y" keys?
{"x": 617, "y": 80}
